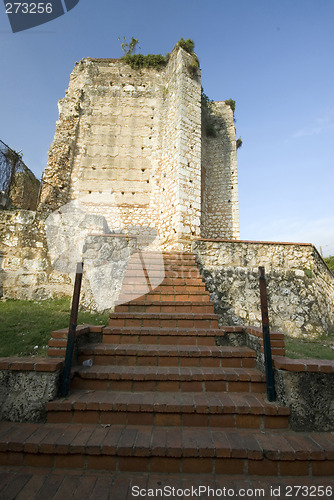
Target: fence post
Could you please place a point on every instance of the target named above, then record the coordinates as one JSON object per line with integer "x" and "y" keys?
{"x": 266, "y": 337}
{"x": 66, "y": 375}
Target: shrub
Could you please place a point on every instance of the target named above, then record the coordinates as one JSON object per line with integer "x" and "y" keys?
{"x": 231, "y": 103}
{"x": 187, "y": 45}
{"x": 137, "y": 61}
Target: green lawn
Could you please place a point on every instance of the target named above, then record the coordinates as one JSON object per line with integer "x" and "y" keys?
{"x": 25, "y": 326}
{"x": 317, "y": 349}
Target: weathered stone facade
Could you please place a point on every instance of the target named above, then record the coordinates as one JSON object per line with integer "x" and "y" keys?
{"x": 300, "y": 285}
{"x": 26, "y": 385}
{"x": 141, "y": 134}
{"x": 25, "y": 269}
{"x": 220, "y": 209}
{"x": 18, "y": 185}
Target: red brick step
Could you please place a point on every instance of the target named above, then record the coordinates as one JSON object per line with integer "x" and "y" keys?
{"x": 161, "y": 336}
{"x": 169, "y": 409}
{"x": 163, "y": 320}
{"x": 173, "y": 378}
{"x": 166, "y": 307}
{"x": 164, "y": 355}
{"x": 167, "y": 449}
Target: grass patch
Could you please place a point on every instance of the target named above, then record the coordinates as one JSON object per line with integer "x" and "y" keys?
{"x": 309, "y": 349}
{"x": 26, "y": 325}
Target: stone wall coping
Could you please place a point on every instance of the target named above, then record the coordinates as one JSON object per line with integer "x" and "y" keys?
{"x": 113, "y": 235}
{"x": 256, "y": 242}
{"x": 80, "y": 329}
{"x": 31, "y": 364}
{"x": 304, "y": 365}
{"x": 101, "y": 59}
{"x": 257, "y": 331}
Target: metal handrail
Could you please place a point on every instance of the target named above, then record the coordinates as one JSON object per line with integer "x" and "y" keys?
{"x": 268, "y": 363}
{"x": 66, "y": 375}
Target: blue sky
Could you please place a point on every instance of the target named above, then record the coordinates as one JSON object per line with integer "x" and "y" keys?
{"x": 274, "y": 57}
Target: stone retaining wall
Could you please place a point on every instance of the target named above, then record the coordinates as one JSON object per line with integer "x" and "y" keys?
{"x": 26, "y": 385}
{"x": 306, "y": 386}
{"x": 300, "y": 285}
{"x": 26, "y": 272}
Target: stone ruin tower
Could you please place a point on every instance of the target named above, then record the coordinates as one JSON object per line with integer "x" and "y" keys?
{"x": 147, "y": 136}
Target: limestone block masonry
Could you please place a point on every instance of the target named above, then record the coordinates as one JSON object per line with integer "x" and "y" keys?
{"x": 142, "y": 134}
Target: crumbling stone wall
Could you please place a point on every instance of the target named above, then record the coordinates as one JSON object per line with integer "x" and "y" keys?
{"x": 26, "y": 272}
{"x": 18, "y": 185}
{"x": 26, "y": 385}
{"x": 220, "y": 209}
{"x": 300, "y": 285}
{"x": 138, "y": 133}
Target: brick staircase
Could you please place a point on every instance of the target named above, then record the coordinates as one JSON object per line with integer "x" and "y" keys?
{"x": 161, "y": 396}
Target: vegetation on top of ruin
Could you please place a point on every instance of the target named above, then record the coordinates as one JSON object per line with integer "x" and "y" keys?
{"x": 231, "y": 103}
{"x": 187, "y": 45}
{"x": 210, "y": 129}
{"x": 137, "y": 61}
{"x": 156, "y": 61}
{"x": 330, "y": 262}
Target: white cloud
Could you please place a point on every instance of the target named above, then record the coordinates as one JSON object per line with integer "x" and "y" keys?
{"x": 319, "y": 126}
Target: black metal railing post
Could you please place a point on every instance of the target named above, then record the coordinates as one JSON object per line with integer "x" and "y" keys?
{"x": 266, "y": 337}
{"x": 66, "y": 375}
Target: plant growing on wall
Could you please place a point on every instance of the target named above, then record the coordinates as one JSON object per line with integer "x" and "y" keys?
{"x": 137, "y": 61}
{"x": 129, "y": 48}
{"x": 187, "y": 45}
{"x": 231, "y": 103}
{"x": 330, "y": 262}
{"x": 157, "y": 61}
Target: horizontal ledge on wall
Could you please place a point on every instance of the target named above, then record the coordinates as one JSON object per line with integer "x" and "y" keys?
{"x": 255, "y": 242}
{"x": 30, "y": 364}
{"x": 113, "y": 235}
{"x": 303, "y": 365}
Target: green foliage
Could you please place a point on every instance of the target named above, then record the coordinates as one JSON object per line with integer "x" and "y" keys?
{"x": 239, "y": 143}
{"x": 187, "y": 45}
{"x": 26, "y": 325}
{"x": 231, "y": 103}
{"x": 157, "y": 61}
{"x": 308, "y": 273}
{"x": 330, "y": 262}
{"x": 129, "y": 48}
{"x": 137, "y": 61}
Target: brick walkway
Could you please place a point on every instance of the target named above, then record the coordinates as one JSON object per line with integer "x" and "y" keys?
{"x": 27, "y": 483}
